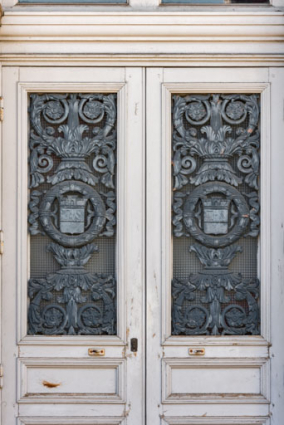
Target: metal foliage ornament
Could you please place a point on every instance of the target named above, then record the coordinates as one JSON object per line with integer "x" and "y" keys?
{"x": 215, "y": 145}
{"x": 216, "y": 167}
{"x": 95, "y": 293}
{"x": 71, "y": 141}
{"x": 73, "y": 202}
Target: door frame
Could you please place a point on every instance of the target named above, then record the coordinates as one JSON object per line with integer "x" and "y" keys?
{"x": 235, "y": 351}
{"x": 43, "y": 352}
{"x": 275, "y": 79}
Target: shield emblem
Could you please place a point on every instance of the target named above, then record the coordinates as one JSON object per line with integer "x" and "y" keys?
{"x": 216, "y": 215}
{"x": 72, "y": 214}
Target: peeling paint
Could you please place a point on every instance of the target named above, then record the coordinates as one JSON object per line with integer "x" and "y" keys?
{"x": 126, "y": 412}
{"x": 50, "y": 384}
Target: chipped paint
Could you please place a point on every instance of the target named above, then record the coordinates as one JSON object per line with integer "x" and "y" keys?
{"x": 50, "y": 384}
{"x": 126, "y": 412}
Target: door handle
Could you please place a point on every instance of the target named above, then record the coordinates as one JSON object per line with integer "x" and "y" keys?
{"x": 134, "y": 345}
{"x": 196, "y": 351}
{"x": 96, "y": 352}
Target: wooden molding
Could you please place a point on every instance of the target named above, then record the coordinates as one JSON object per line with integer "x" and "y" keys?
{"x": 255, "y": 32}
{"x": 133, "y": 59}
{"x": 215, "y": 420}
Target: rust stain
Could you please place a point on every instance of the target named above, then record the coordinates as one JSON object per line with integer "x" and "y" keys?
{"x": 50, "y": 384}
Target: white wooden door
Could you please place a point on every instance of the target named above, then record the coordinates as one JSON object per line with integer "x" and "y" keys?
{"x": 204, "y": 366}
{"x": 236, "y": 379}
{"x": 54, "y": 379}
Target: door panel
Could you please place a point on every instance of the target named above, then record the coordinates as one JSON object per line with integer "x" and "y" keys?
{"x": 220, "y": 366}
{"x": 193, "y": 375}
{"x": 70, "y": 211}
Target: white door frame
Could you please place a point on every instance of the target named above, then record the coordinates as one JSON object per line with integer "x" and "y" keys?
{"x": 42, "y": 353}
{"x": 243, "y": 352}
{"x": 189, "y": 413}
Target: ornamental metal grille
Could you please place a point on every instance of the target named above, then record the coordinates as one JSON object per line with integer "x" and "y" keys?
{"x": 72, "y": 214}
{"x": 215, "y": 174}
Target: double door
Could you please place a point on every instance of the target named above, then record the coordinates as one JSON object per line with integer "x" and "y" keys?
{"x": 139, "y": 271}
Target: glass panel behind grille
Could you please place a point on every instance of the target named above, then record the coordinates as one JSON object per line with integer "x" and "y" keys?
{"x": 221, "y": 2}
{"x": 73, "y": 1}
{"x": 216, "y": 147}
{"x": 72, "y": 214}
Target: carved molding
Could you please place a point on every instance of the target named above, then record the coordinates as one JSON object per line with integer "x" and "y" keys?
{"x": 44, "y": 364}
{"x": 144, "y": 59}
{"x": 260, "y": 396}
{"x": 213, "y": 420}
{"x": 57, "y": 420}
{"x": 189, "y": 25}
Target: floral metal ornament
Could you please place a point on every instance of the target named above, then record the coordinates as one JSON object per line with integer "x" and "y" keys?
{"x": 73, "y": 141}
{"x": 216, "y": 166}
{"x": 215, "y": 280}
{"x": 72, "y": 150}
{"x": 215, "y": 144}
{"x": 86, "y": 304}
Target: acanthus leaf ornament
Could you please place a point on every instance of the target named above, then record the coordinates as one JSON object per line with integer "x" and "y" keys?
{"x": 178, "y": 201}
{"x": 67, "y": 314}
{"x": 253, "y": 200}
{"x": 110, "y": 214}
{"x": 216, "y": 161}
{"x": 72, "y": 144}
{"x": 215, "y": 281}
{"x": 34, "y": 212}
{"x": 72, "y": 149}
{"x": 214, "y": 142}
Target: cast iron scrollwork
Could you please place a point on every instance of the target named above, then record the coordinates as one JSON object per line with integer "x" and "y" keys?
{"x": 72, "y": 142}
{"x": 215, "y": 203}
{"x": 215, "y": 145}
{"x": 72, "y": 150}
{"x": 76, "y": 284}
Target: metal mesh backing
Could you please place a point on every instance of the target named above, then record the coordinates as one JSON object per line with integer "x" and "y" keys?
{"x": 186, "y": 263}
{"x": 103, "y": 262}
{"x": 43, "y": 262}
